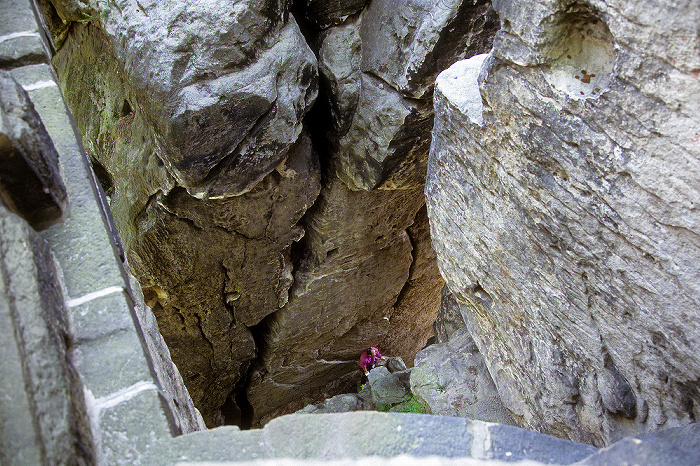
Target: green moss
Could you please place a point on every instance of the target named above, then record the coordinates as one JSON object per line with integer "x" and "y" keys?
{"x": 410, "y": 405}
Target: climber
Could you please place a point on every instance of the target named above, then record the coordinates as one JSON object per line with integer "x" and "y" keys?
{"x": 369, "y": 358}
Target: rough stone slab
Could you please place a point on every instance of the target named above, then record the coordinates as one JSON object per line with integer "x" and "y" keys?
{"x": 220, "y": 445}
{"x": 358, "y": 434}
{"x": 30, "y": 174}
{"x": 43, "y": 411}
{"x": 112, "y": 363}
{"x": 648, "y": 452}
{"x": 83, "y": 237}
{"x": 130, "y": 424}
{"x": 508, "y": 443}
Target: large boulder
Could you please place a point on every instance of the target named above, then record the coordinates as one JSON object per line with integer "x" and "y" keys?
{"x": 225, "y": 85}
{"x": 451, "y": 379}
{"x": 562, "y": 196}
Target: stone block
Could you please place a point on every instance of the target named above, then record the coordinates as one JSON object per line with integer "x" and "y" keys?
{"x": 131, "y": 423}
{"x": 101, "y": 316}
{"x": 650, "y": 451}
{"x": 30, "y": 174}
{"x": 84, "y": 236}
{"x": 44, "y": 418}
{"x": 359, "y": 434}
{"x": 112, "y": 363}
{"x": 508, "y": 443}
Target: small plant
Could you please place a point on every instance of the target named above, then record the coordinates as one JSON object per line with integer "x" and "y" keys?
{"x": 411, "y": 405}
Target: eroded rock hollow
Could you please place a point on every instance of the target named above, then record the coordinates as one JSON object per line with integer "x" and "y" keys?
{"x": 273, "y": 239}
{"x": 292, "y": 181}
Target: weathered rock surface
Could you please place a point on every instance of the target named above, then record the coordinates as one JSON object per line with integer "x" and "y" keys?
{"x": 449, "y": 317}
{"x": 211, "y": 269}
{"x": 30, "y": 174}
{"x": 44, "y": 420}
{"x": 562, "y": 197}
{"x": 225, "y": 86}
{"x": 451, "y": 379}
{"x": 356, "y": 261}
{"x": 226, "y": 265}
{"x": 379, "y": 71}
{"x": 417, "y": 305}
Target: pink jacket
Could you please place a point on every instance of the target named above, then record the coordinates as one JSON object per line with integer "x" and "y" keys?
{"x": 368, "y": 360}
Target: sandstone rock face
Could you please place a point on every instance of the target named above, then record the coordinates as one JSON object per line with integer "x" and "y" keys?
{"x": 561, "y": 191}
{"x": 356, "y": 261}
{"x": 417, "y": 306}
{"x": 213, "y": 268}
{"x": 379, "y": 70}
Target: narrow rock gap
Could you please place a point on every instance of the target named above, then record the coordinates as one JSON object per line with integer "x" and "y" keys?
{"x": 238, "y": 410}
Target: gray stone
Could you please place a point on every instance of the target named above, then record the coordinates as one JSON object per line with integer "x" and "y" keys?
{"x": 385, "y": 387}
{"x": 30, "y": 174}
{"x": 44, "y": 416}
{"x": 449, "y": 317}
{"x": 23, "y": 41}
{"x": 565, "y": 225}
{"x": 225, "y": 86}
{"x": 406, "y": 44}
{"x": 341, "y": 438}
{"x": 451, "y": 379}
{"x": 338, "y": 404}
{"x": 685, "y": 437}
{"x": 648, "y": 452}
{"x": 358, "y": 434}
